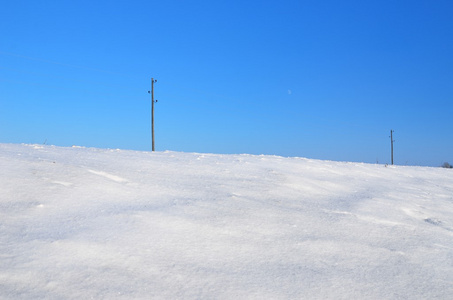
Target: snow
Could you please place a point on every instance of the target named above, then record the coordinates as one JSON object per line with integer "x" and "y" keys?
{"x": 85, "y": 223}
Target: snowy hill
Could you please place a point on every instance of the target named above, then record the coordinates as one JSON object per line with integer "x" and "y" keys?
{"x": 83, "y": 223}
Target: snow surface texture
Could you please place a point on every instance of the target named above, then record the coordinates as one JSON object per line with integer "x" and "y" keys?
{"x": 83, "y": 223}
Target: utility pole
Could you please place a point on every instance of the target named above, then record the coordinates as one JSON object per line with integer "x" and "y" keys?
{"x": 391, "y": 142}
{"x": 152, "y": 110}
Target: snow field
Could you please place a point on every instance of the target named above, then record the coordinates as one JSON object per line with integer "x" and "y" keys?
{"x": 83, "y": 223}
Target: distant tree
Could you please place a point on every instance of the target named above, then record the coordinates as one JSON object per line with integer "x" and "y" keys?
{"x": 447, "y": 165}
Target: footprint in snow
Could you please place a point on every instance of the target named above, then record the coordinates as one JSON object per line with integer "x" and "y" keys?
{"x": 433, "y": 221}
{"x": 437, "y": 222}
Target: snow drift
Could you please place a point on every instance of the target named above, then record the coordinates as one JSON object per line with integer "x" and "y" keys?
{"x": 81, "y": 223}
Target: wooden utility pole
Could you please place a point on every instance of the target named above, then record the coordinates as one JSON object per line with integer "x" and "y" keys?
{"x": 152, "y": 110}
{"x": 391, "y": 142}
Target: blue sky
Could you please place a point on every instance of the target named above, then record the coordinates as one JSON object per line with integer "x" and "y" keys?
{"x": 316, "y": 79}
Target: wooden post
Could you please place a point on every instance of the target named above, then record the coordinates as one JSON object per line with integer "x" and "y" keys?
{"x": 152, "y": 111}
{"x": 391, "y": 143}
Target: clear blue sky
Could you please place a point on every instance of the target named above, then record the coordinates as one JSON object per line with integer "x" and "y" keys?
{"x": 317, "y": 79}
